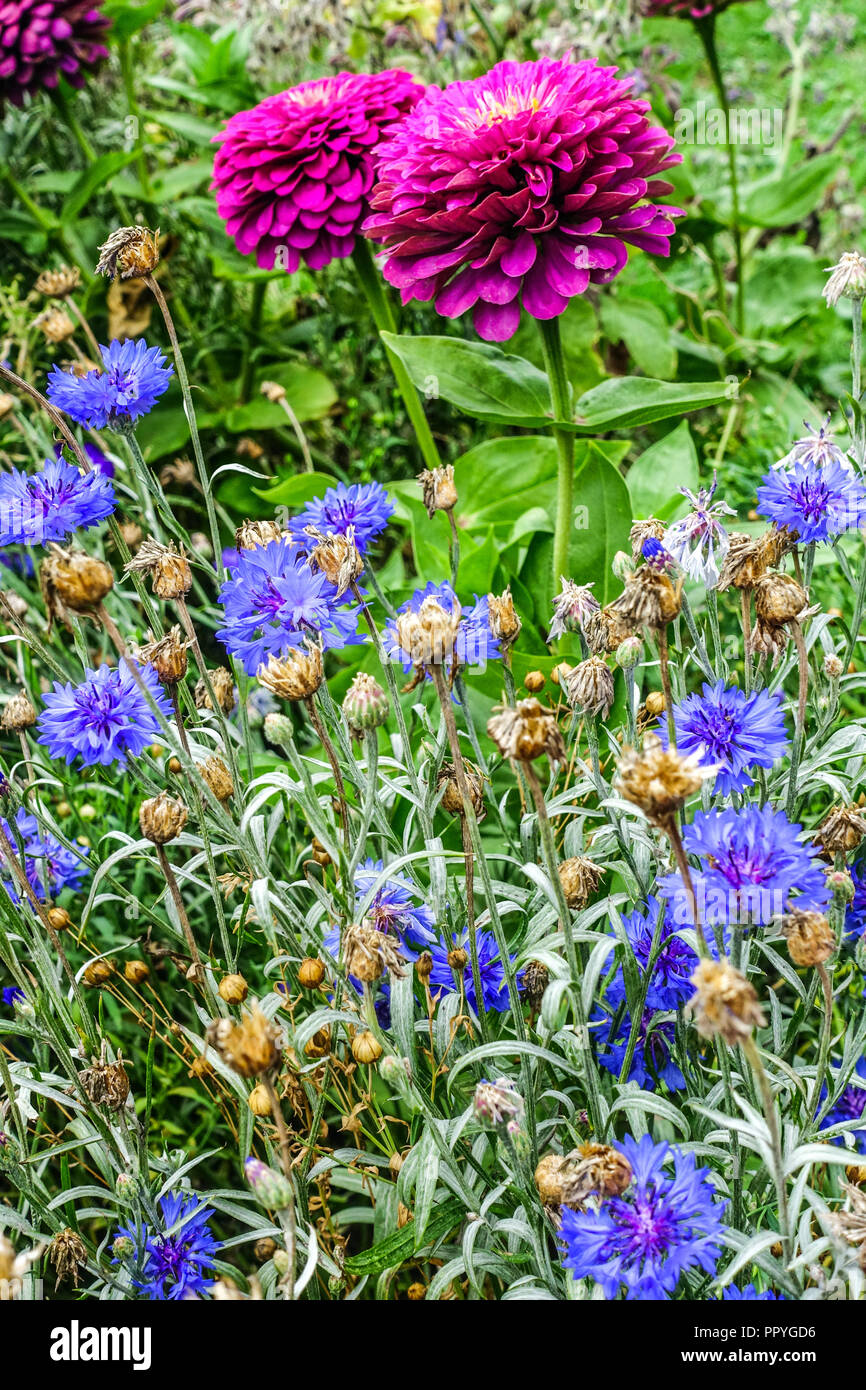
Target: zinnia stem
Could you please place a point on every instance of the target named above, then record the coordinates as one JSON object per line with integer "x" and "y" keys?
{"x": 706, "y": 28}
{"x": 383, "y": 317}
{"x": 560, "y": 394}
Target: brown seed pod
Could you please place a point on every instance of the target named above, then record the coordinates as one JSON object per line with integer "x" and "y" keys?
{"x": 233, "y": 989}
{"x": 162, "y": 818}
{"x": 311, "y": 973}
{"x": 526, "y": 731}
{"x": 366, "y": 1047}
{"x": 129, "y": 253}
{"x": 725, "y": 1004}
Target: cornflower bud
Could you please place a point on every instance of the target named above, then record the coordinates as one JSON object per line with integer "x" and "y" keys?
{"x": 272, "y": 1188}
{"x": 365, "y": 705}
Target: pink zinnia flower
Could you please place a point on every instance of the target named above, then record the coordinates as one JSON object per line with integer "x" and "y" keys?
{"x": 293, "y": 174}
{"x": 684, "y": 9}
{"x": 44, "y": 40}
{"x": 522, "y": 186}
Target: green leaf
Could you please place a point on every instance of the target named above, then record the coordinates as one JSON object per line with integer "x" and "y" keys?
{"x": 127, "y": 19}
{"x": 504, "y": 482}
{"x": 782, "y": 289}
{"x": 191, "y": 128}
{"x": 296, "y": 491}
{"x": 645, "y": 331}
{"x": 624, "y": 401}
{"x": 477, "y": 565}
{"x": 656, "y": 476}
{"x": 481, "y": 380}
{"x": 394, "y": 1249}
{"x": 309, "y": 392}
{"x": 783, "y": 199}
{"x": 94, "y": 179}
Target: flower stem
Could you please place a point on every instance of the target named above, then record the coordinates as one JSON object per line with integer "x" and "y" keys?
{"x": 560, "y": 394}
{"x": 750, "y": 1049}
{"x": 826, "y": 1032}
{"x": 383, "y": 317}
{"x": 706, "y": 28}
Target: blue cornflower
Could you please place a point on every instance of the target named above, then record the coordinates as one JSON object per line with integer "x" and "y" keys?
{"x": 474, "y": 644}
{"x": 731, "y": 1294}
{"x": 818, "y": 503}
{"x": 104, "y": 719}
{"x": 365, "y": 506}
{"x": 50, "y": 866}
{"x": 699, "y": 542}
{"x": 670, "y": 983}
{"x": 652, "y": 1060}
{"x": 394, "y": 907}
{"x": 49, "y": 505}
{"x": 494, "y": 987}
{"x": 101, "y": 461}
{"x": 11, "y": 994}
{"x": 851, "y": 1105}
{"x": 753, "y": 867}
{"x": 662, "y": 1225}
{"x": 171, "y": 1262}
{"x": 133, "y": 378}
{"x": 273, "y": 601}
{"x": 735, "y": 730}
{"x": 855, "y": 914}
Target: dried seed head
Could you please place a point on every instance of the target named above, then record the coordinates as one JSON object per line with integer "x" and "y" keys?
{"x": 250, "y": 1047}
{"x": 593, "y": 1170}
{"x": 649, "y": 530}
{"x": 589, "y": 686}
{"x": 57, "y": 284}
{"x": 579, "y": 878}
{"x": 59, "y": 919}
{"x": 504, "y": 622}
{"x": 67, "y": 1252}
{"x": 251, "y": 534}
{"x": 233, "y": 989}
{"x": 162, "y": 818}
{"x": 96, "y": 974}
{"x": 129, "y": 253}
{"x": 73, "y": 582}
{"x": 660, "y": 780}
{"x": 768, "y": 640}
{"x": 217, "y": 777}
{"x": 811, "y": 940}
{"x": 366, "y": 1047}
{"x": 7, "y": 404}
{"x": 223, "y": 686}
{"x": 55, "y": 324}
{"x": 337, "y": 556}
{"x": 841, "y": 830}
{"x": 649, "y": 599}
{"x": 264, "y": 1249}
{"x": 368, "y": 953}
{"x": 605, "y": 630}
{"x": 428, "y": 635}
{"x": 106, "y": 1083}
{"x": 136, "y": 971}
{"x": 167, "y": 566}
{"x": 779, "y": 598}
{"x": 167, "y": 656}
{"x": 548, "y": 1179}
{"x": 744, "y": 563}
{"x": 725, "y": 1004}
{"x": 452, "y": 801}
{"x": 319, "y": 1044}
{"x": 18, "y": 713}
{"x": 847, "y": 278}
{"x": 319, "y": 853}
{"x": 295, "y": 676}
{"x": 498, "y": 1102}
{"x": 311, "y": 973}
{"x": 572, "y": 607}
{"x": 437, "y": 487}
{"x": 273, "y": 392}
{"x": 457, "y": 958}
{"x": 259, "y": 1100}
{"x": 536, "y": 978}
{"x": 534, "y": 682}
{"x": 365, "y": 705}
{"x": 526, "y": 731}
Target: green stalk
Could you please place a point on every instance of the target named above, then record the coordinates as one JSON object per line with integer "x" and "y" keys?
{"x": 383, "y": 317}
{"x": 560, "y": 393}
{"x": 706, "y": 29}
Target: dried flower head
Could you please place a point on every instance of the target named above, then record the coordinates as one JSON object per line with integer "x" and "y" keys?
{"x": 251, "y": 1047}
{"x": 660, "y": 780}
{"x": 129, "y": 253}
{"x": 591, "y": 1170}
{"x": 526, "y": 731}
{"x": 336, "y": 556}
{"x": 536, "y": 978}
{"x": 295, "y": 676}
{"x": 428, "y": 634}
{"x": 251, "y": 534}
{"x": 579, "y": 878}
{"x": 437, "y": 486}
{"x": 18, "y": 713}
{"x": 779, "y": 599}
{"x": 811, "y": 940}
{"x": 589, "y": 686}
{"x": 649, "y": 599}
{"x": 498, "y": 1102}
{"x": 217, "y": 777}
{"x": 368, "y": 953}
{"x": 162, "y": 818}
{"x": 106, "y": 1083}
{"x": 725, "y": 1004}
{"x": 452, "y": 801}
{"x": 504, "y": 622}
{"x": 233, "y": 989}
{"x": 67, "y": 1252}
{"x": 167, "y": 566}
{"x": 841, "y": 830}
{"x": 366, "y": 1047}
{"x": 59, "y": 283}
{"x": 73, "y": 582}
{"x": 650, "y": 529}
{"x": 55, "y": 324}
{"x": 847, "y": 278}
{"x": 571, "y": 608}
{"x": 167, "y": 656}
{"x": 744, "y": 563}
{"x": 606, "y": 629}
{"x": 222, "y": 684}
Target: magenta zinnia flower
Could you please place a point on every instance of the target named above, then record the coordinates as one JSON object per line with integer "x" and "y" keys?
{"x": 293, "y": 174}
{"x": 44, "y": 40}
{"x": 684, "y": 9}
{"x": 520, "y": 187}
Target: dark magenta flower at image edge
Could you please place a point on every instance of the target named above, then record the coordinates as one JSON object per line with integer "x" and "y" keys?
{"x": 44, "y": 40}
{"x": 292, "y": 175}
{"x": 664, "y": 1224}
{"x": 273, "y": 602}
{"x": 366, "y": 507}
{"x": 104, "y": 718}
{"x": 132, "y": 380}
{"x": 172, "y": 1261}
{"x": 753, "y": 866}
{"x": 520, "y": 188}
{"x": 732, "y": 729}
{"x": 52, "y": 503}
